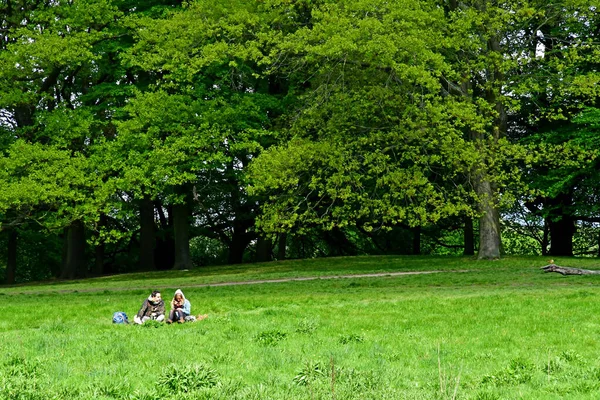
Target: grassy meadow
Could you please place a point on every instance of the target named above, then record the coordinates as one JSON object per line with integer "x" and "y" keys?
{"x": 475, "y": 330}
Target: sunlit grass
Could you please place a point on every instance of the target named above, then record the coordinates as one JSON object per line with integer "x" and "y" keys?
{"x": 297, "y": 269}
{"x": 500, "y": 330}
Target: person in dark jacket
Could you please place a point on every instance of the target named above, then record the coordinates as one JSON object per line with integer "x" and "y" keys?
{"x": 153, "y": 308}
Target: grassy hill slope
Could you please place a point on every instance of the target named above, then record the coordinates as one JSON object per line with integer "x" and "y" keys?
{"x": 495, "y": 330}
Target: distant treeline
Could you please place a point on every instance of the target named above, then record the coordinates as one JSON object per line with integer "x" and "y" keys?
{"x": 140, "y": 135}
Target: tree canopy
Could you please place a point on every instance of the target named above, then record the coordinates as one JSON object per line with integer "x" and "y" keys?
{"x": 167, "y": 134}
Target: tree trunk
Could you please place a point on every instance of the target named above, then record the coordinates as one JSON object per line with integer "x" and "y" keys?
{"x": 164, "y": 252}
{"x": 238, "y": 244}
{"x": 282, "y": 246}
{"x": 561, "y": 225}
{"x": 147, "y": 235}
{"x": 75, "y": 263}
{"x": 561, "y": 236}
{"x": 65, "y": 251}
{"x": 489, "y": 224}
{"x": 469, "y": 237}
{"x": 264, "y": 249}
{"x": 98, "y": 268}
{"x": 11, "y": 262}
{"x": 490, "y": 244}
{"x": 489, "y": 221}
{"x": 545, "y": 238}
{"x": 237, "y": 247}
{"x": 181, "y": 227}
{"x": 338, "y": 243}
{"x": 416, "y": 243}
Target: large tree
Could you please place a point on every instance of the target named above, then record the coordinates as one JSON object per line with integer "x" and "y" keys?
{"x": 49, "y": 62}
{"x": 61, "y": 83}
{"x": 375, "y": 143}
{"x": 192, "y": 135}
{"x": 552, "y": 89}
{"x": 514, "y": 60}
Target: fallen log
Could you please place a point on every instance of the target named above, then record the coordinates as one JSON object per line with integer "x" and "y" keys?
{"x": 569, "y": 270}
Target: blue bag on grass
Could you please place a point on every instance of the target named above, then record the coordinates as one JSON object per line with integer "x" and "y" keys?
{"x": 120, "y": 318}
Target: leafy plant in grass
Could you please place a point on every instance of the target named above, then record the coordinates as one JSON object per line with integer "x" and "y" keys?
{"x": 585, "y": 387}
{"x": 22, "y": 368}
{"x": 571, "y": 356}
{"x": 393, "y": 356}
{"x": 69, "y": 392}
{"x": 358, "y": 381}
{"x": 232, "y": 333}
{"x": 151, "y": 395}
{"x": 486, "y": 396}
{"x": 20, "y": 389}
{"x": 351, "y": 338}
{"x": 270, "y": 338}
{"x": 518, "y": 371}
{"x": 221, "y": 358}
{"x": 561, "y": 362}
{"x": 111, "y": 390}
{"x": 306, "y": 326}
{"x": 19, "y": 379}
{"x": 152, "y": 324}
{"x": 594, "y": 373}
{"x": 310, "y": 372}
{"x": 554, "y": 365}
{"x": 184, "y": 379}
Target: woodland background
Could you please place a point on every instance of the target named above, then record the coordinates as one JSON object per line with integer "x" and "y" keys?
{"x": 142, "y": 135}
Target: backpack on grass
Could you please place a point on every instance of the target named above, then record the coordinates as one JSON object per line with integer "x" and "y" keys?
{"x": 120, "y": 318}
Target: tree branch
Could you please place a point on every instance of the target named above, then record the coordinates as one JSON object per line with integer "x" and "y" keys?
{"x": 569, "y": 270}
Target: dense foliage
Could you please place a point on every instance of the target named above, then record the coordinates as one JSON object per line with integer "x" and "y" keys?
{"x": 166, "y": 134}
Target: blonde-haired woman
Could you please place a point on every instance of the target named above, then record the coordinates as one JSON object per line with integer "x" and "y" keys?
{"x": 180, "y": 308}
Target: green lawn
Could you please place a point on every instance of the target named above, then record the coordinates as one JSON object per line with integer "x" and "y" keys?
{"x": 496, "y": 330}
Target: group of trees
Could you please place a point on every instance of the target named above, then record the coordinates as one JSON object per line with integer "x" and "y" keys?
{"x": 162, "y": 134}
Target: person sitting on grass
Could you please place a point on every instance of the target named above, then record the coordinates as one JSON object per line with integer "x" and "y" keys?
{"x": 153, "y": 308}
{"x": 180, "y": 308}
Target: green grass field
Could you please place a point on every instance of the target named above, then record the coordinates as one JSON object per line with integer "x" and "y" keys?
{"x": 494, "y": 330}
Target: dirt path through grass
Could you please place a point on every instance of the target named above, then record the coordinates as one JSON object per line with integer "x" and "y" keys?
{"x": 248, "y": 282}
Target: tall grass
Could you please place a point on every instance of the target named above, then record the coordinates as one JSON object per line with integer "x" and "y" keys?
{"x": 501, "y": 330}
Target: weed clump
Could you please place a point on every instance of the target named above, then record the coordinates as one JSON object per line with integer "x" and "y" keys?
{"x": 19, "y": 367}
{"x": 351, "y": 338}
{"x": 554, "y": 365}
{"x": 393, "y": 356}
{"x": 347, "y": 383}
{"x": 518, "y": 371}
{"x": 185, "y": 379}
{"x": 358, "y": 381}
{"x": 562, "y": 362}
{"x": 486, "y": 396}
{"x": 270, "y": 338}
{"x": 306, "y": 326}
{"x": 310, "y": 372}
{"x": 571, "y": 356}
{"x": 20, "y": 379}
{"x": 152, "y": 324}
{"x": 110, "y": 390}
